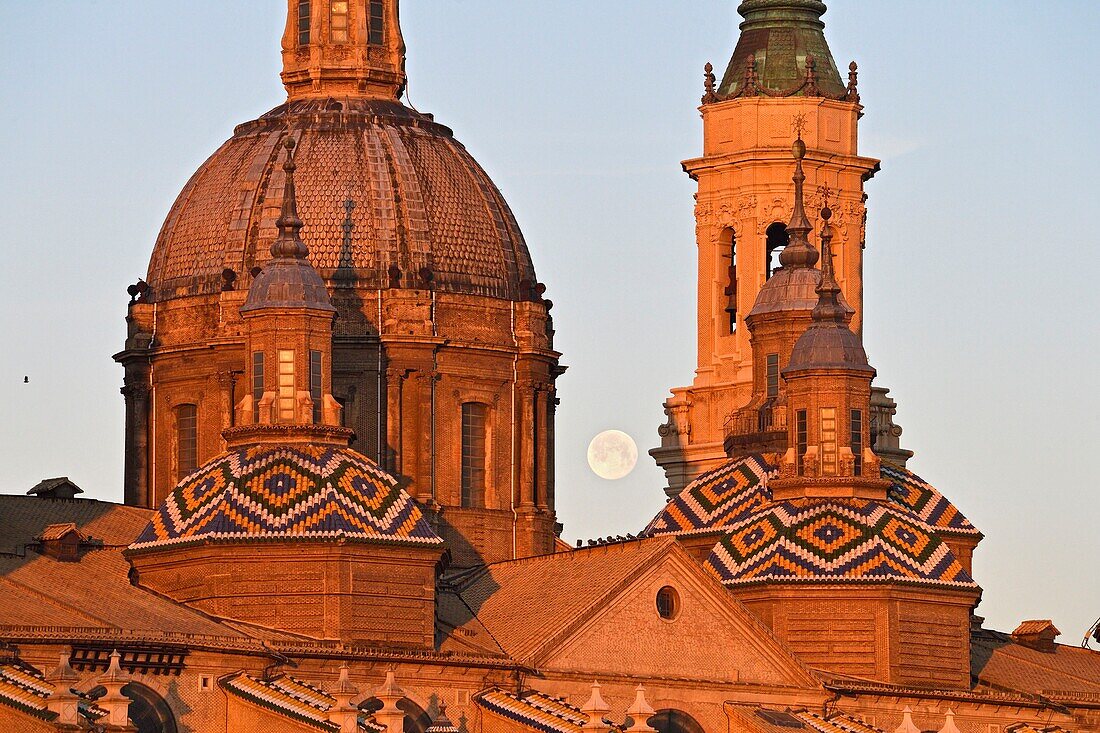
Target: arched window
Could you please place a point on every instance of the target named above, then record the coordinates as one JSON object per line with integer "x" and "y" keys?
{"x": 187, "y": 439}
{"x": 856, "y": 424}
{"x": 338, "y": 20}
{"x": 148, "y": 711}
{"x": 315, "y": 386}
{"x": 304, "y": 22}
{"x": 729, "y": 251}
{"x": 416, "y": 720}
{"x": 474, "y": 425}
{"x": 674, "y": 721}
{"x": 376, "y": 34}
{"x": 777, "y": 241}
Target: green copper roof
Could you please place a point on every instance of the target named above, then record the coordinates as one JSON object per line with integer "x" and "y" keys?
{"x": 780, "y": 34}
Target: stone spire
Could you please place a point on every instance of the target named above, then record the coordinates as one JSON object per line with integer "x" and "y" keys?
{"x": 288, "y": 280}
{"x": 350, "y": 48}
{"x": 780, "y": 36}
{"x": 828, "y": 291}
{"x": 799, "y": 252}
{"x": 289, "y": 242}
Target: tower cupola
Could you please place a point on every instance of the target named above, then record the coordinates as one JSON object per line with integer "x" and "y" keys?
{"x": 785, "y": 41}
{"x": 343, "y": 48}
{"x": 288, "y": 317}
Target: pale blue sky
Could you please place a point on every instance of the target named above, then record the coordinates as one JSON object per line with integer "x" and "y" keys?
{"x": 981, "y": 261}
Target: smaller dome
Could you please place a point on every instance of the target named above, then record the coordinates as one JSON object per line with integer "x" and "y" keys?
{"x": 835, "y": 541}
{"x": 829, "y": 345}
{"x": 273, "y": 492}
{"x": 790, "y": 289}
{"x": 288, "y": 283}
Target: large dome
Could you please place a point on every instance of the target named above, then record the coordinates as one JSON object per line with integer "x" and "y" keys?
{"x": 388, "y": 196}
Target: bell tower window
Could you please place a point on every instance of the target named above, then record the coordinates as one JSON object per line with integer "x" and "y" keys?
{"x": 777, "y": 241}
{"x": 286, "y": 385}
{"x": 304, "y": 22}
{"x": 376, "y": 28}
{"x": 802, "y": 439}
{"x": 315, "y": 384}
{"x": 729, "y": 244}
{"x": 187, "y": 428}
{"x": 257, "y": 377}
{"x": 338, "y": 21}
{"x": 857, "y": 441}
{"x": 474, "y": 421}
{"x": 828, "y": 441}
{"x": 773, "y": 375}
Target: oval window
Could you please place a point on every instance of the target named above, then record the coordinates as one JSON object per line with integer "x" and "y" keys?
{"x": 668, "y": 603}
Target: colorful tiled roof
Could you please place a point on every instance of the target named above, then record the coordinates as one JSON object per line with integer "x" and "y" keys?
{"x": 293, "y": 698}
{"x": 763, "y": 720}
{"x": 534, "y": 710}
{"x": 284, "y": 492}
{"x": 726, "y": 495}
{"x": 24, "y": 689}
{"x": 835, "y": 540}
{"x": 922, "y": 499}
{"x": 716, "y": 499}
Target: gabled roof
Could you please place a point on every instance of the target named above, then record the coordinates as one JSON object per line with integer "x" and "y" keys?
{"x": 51, "y": 485}
{"x": 23, "y": 519}
{"x": 526, "y": 603}
{"x": 295, "y": 493}
{"x": 835, "y": 540}
{"x": 57, "y": 531}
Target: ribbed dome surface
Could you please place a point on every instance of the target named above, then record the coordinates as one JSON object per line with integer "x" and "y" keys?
{"x": 379, "y": 187}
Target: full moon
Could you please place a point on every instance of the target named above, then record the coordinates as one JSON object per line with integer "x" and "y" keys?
{"x": 612, "y": 454}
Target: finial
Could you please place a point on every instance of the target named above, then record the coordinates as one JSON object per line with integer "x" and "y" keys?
{"x": 63, "y": 672}
{"x": 799, "y": 252}
{"x": 852, "y": 94}
{"x": 114, "y": 671}
{"x": 596, "y": 709}
{"x": 640, "y": 712}
{"x": 907, "y": 724}
{"x": 811, "y": 87}
{"x": 710, "y": 93}
{"x": 751, "y": 85}
{"x": 828, "y": 291}
{"x": 289, "y": 243}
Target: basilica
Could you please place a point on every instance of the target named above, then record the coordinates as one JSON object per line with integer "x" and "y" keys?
{"x": 339, "y": 380}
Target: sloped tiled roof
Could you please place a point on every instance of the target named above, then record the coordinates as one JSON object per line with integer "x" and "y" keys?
{"x": 726, "y": 495}
{"x": 755, "y": 719}
{"x": 835, "y": 540}
{"x": 292, "y": 698}
{"x": 534, "y": 710}
{"x": 283, "y": 492}
{"x": 553, "y": 590}
{"x": 24, "y": 689}
{"x": 998, "y": 663}
{"x": 23, "y": 519}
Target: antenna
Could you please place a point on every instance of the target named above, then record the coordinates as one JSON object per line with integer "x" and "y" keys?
{"x": 1092, "y": 633}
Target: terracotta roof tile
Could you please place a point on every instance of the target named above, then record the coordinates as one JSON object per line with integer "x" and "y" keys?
{"x": 525, "y": 603}
{"x": 292, "y": 698}
{"x": 1069, "y": 672}
{"x": 533, "y": 710}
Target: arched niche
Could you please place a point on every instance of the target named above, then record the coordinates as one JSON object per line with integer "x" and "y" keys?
{"x": 148, "y": 711}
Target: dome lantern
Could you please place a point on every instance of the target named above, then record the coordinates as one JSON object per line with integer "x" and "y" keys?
{"x": 343, "y": 48}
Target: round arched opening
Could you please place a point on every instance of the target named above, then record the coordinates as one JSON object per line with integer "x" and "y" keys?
{"x": 674, "y": 721}
{"x": 148, "y": 711}
{"x": 777, "y": 241}
{"x": 416, "y": 720}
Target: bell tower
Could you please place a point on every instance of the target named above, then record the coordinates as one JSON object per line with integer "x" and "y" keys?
{"x": 338, "y": 48}
{"x": 781, "y": 80}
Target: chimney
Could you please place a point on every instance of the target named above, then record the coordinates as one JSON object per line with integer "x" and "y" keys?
{"x": 1038, "y": 635}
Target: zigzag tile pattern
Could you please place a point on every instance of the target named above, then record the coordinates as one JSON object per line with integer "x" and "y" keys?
{"x": 305, "y": 492}
{"x": 728, "y": 494}
{"x": 716, "y": 499}
{"x": 835, "y": 540}
{"x": 922, "y": 499}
